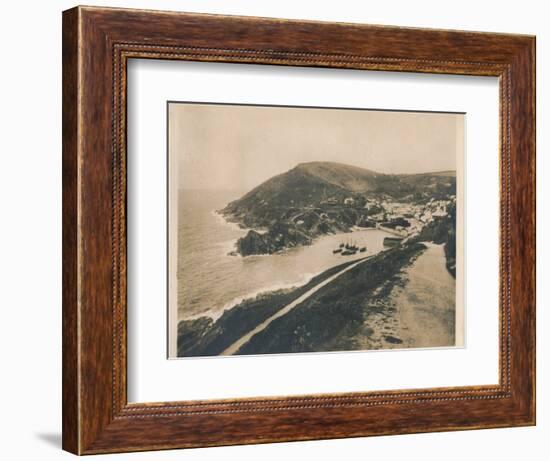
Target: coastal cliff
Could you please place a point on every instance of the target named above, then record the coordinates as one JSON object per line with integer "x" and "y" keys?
{"x": 319, "y": 198}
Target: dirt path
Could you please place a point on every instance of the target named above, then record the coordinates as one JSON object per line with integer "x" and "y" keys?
{"x": 414, "y": 309}
{"x": 427, "y": 304}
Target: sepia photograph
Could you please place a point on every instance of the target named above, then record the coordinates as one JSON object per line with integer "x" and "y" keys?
{"x": 313, "y": 229}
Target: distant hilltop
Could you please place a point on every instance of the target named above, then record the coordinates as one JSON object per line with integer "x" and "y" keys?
{"x": 356, "y": 179}
{"x": 317, "y": 198}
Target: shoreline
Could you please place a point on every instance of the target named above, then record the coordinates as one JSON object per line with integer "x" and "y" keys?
{"x": 235, "y": 225}
{"x": 232, "y": 224}
{"x": 253, "y": 295}
{"x": 266, "y": 290}
{"x": 262, "y": 231}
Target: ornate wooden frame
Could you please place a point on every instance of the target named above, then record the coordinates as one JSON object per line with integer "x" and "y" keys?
{"x": 97, "y": 43}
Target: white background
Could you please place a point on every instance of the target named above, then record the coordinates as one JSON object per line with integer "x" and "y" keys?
{"x": 30, "y": 243}
{"x": 153, "y": 378}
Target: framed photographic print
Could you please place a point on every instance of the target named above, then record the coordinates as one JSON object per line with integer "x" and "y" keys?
{"x": 284, "y": 230}
{"x": 287, "y": 243}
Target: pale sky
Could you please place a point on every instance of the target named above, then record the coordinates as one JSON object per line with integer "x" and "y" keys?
{"x": 228, "y": 147}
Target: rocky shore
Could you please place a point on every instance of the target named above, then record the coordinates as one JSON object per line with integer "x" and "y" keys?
{"x": 298, "y": 228}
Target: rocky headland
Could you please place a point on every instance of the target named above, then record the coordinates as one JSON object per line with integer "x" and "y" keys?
{"x": 319, "y": 198}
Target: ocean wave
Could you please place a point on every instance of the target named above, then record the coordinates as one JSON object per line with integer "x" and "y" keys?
{"x": 236, "y": 226}
{"x": 228, "y": 246}
{"x": 233, "y": 225}
{"x": 216, "y": 313}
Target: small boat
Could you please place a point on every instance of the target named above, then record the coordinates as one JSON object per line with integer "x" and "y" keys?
{"x": 338, "y": 250}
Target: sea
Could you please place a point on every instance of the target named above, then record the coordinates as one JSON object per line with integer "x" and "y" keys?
{"x": 210, "y": 280}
